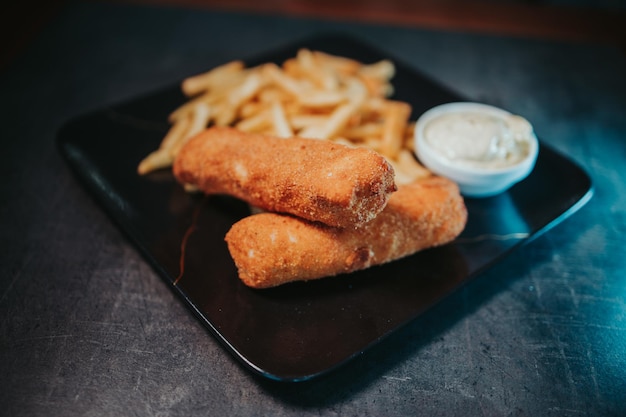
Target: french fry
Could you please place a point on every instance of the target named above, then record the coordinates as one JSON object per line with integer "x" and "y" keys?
{"x": 226, "y": 111}
{"x": 323, "y": 76}
{"x": 271, "y": 94}
{"x": 164, "y": 156}
{"x": 396, "y": 119}
{"x": 301, "y": 121}
{"x": 175, "y": 134}
{"x": 321, "y": 99}
{"x": 280, "y": 122}
{"x": 292, "y": 68}
{"x": 257, "y": 123}
{"x": 409, "y": 137}
{"x": 363, "y": 131}
{"x": 340, "y": 64}
{"x": 186, "y": 109}
{"x": 381, "y": 70}
{"x": 314, "y": 95}
{"x": 247, "y": 89}
{"x": 250, "y": 109}
{"x": 337, "y": 121}
{"x": 202, "y": 82}
{"x": 282, "y": 80}
{"x": 407, "y": 161}
{"x": 155, "y": 160}
{"x": 198, "y": 122}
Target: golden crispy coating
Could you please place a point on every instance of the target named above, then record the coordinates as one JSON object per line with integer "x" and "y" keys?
{"x": 271, "y": 249}
{"x": 313, "y": 179}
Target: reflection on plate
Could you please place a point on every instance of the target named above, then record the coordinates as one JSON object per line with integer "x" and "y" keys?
{"x": 301, "y": 330}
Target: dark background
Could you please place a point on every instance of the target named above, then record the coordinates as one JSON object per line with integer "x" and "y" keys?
{"x": 22, "y": 21}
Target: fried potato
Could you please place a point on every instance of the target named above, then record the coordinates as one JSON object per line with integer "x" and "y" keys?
{"x": 312, "y": 95}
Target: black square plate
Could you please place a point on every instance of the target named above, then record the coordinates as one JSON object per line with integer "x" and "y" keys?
{"x": 301, "y": 330}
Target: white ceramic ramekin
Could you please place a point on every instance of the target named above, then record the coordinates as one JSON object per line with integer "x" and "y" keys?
{"x": 474, "y": 181}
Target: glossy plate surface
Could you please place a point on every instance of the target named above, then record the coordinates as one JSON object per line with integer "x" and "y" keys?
{"x": 302, "y": 330}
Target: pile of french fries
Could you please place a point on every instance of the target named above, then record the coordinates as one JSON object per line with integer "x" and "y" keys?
{"x": 313, "y": 95}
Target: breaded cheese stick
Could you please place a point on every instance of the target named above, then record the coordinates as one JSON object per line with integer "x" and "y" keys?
{"x": 270, "y": 249}
{"x": 313, "y": 179}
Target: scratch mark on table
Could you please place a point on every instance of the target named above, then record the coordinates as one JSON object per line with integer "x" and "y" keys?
{"x": 397, "y": 378}
{"x": 566, "y": 410}
{"x": 48, "y": 337}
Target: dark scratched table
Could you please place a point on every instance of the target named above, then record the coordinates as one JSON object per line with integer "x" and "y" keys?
{"x": 88, "y": 328}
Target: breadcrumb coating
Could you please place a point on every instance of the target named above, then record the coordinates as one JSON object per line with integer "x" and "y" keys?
{"x": 271, "y": 249}
{"x": 313, "y": 179}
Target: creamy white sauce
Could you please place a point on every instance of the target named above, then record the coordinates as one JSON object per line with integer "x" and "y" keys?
{"x": 478, "y": 139}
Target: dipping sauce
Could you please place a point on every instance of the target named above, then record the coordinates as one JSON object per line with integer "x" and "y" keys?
{"x": 478, "y": 139}
{"x": 484, "y": 149}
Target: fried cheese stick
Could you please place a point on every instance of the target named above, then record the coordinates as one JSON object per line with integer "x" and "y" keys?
{"x": 271, "y": 249}
{"x": 313, "y": 179}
